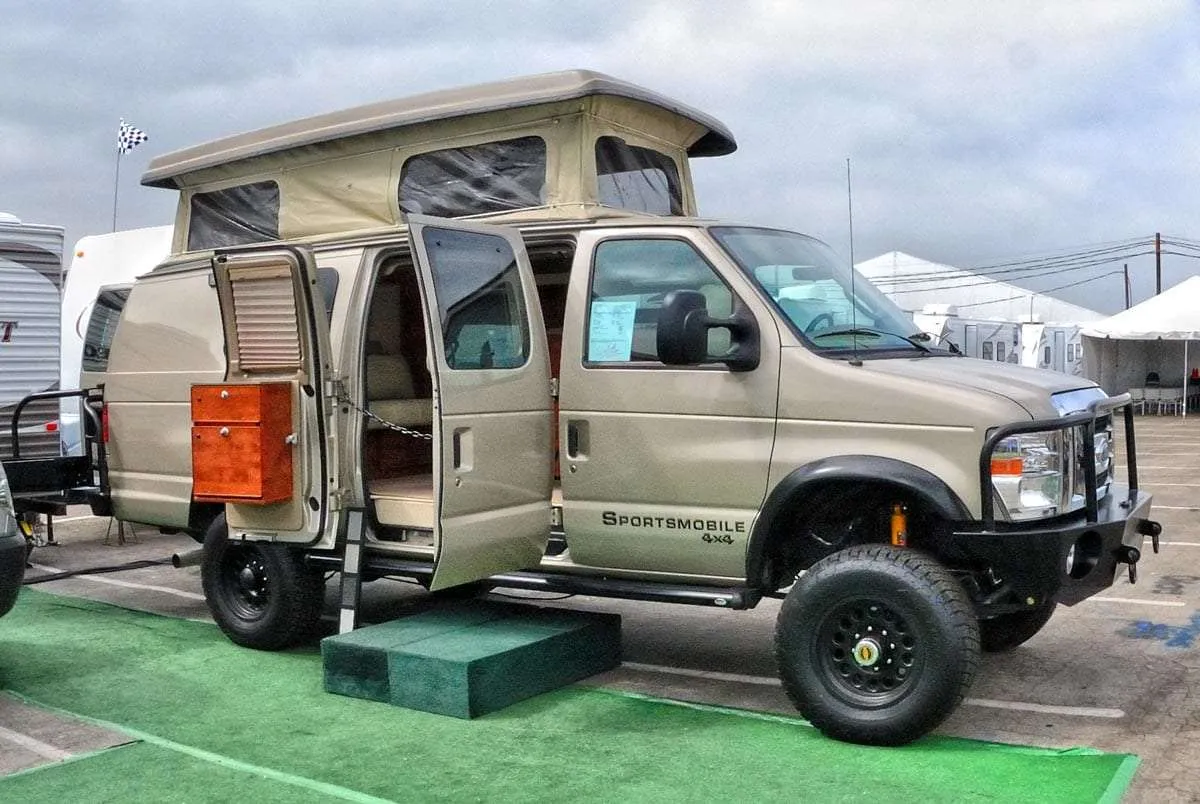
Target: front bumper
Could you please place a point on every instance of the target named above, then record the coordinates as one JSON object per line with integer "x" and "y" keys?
{"x": 12, "y": 569}
{"x": 1069, "y": 559}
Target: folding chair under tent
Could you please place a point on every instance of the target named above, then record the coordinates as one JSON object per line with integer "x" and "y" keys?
{"x": 1156, "y": 335}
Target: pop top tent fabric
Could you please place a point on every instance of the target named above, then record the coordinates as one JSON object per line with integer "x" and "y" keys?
{"x": 1152, "y": 337}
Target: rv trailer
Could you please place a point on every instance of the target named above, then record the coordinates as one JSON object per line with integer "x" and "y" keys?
{"x": 30, "y": 283}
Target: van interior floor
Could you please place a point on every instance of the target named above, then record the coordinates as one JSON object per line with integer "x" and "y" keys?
{"x": 404, "y": 505}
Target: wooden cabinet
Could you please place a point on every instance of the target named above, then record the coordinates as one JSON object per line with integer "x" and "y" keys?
{"x": 241, "y": 443}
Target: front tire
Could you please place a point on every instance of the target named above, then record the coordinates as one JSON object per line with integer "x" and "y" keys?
{"x": 1007, "y": 631}
{"x": 877, "y": 645}
{"x": 261, "y": 594}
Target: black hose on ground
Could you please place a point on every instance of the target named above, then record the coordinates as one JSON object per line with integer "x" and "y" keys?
{"x": 132, "y": 565}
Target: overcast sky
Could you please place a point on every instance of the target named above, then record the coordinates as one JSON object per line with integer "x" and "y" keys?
{"x": 978, "y": 132}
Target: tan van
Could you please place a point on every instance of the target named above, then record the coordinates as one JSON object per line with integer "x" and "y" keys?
{"x": 481, "y": 337}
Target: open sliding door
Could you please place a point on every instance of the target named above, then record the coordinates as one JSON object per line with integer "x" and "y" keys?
{"x": 493, "y": 453}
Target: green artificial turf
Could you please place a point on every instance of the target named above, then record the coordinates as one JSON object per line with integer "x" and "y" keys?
{"x": 215, "y": 716}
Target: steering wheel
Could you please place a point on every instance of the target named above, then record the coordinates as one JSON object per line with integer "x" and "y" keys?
{"x": 816, "y": 323}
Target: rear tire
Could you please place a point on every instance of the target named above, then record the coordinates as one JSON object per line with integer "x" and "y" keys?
{"x": 1007, "y": 631}
{"x": 877, "y": 645}
{"x": 261, "y": 594}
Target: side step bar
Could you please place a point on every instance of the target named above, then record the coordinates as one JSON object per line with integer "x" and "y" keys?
{"x": 720, "y": 596}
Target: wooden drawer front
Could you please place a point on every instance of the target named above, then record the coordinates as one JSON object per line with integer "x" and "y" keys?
{"x": 241, "y": 403}
{"x": 235, "y": 463}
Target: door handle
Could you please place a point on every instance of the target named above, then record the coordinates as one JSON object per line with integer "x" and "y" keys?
{"x": 462, "y": 448}
{"x": 577, "y": 439}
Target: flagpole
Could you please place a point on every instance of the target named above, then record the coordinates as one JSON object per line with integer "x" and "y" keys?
{"x": 128, "y": 137}
{"x": 116, "y": 188}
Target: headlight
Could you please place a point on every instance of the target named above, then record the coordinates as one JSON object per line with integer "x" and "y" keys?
{"x": 1027, "y": 473}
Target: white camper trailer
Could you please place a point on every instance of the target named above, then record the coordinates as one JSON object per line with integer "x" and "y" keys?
{"x": 99, "y": 261}
{"x": 30, "y": 283}
{"x": 981, "y": 338}
{"x": 1058, "y": 347}
{"x": 1031, "y": 342}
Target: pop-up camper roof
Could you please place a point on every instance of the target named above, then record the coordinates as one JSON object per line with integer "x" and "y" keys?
{"x": 572, "y": 144}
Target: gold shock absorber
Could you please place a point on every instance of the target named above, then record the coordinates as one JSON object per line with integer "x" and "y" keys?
{"x": 899, "y": 525}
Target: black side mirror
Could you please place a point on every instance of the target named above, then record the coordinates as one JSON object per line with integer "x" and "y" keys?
{"x": 683, "y": 325}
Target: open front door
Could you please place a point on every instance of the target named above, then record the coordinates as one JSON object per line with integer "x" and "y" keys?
{"x": 263, "y": 442}
{"x": 493, "y": 454}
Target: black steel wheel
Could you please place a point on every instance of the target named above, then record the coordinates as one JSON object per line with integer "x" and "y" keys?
{"x": 1007, "y": 631}
{"x": 877, "y": 644}
{"x": 261, "y": 594}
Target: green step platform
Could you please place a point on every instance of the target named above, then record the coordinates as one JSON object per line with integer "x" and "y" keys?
{"x": 468, "y": 659}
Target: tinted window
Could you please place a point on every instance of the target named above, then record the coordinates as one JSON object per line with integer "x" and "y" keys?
{"x": 987, "y": 350}
{"x": 478, "y": 288}
{"x": 630, "y": 280}
{"x": 1000, "y": 346}
{"x": 491, "y": 177}
{"x": 102, "y": 325}
{"x": 248, "y": 213}
{"x": 636, "y": 178}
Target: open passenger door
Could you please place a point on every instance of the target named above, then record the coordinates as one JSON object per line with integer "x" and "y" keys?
{"x": 264, "y": 442}
{"x": 493, "y": 453}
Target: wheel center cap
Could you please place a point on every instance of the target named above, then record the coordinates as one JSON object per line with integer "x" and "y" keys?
{"x": 866, "y": 652}
{"x": 247, "y": 580}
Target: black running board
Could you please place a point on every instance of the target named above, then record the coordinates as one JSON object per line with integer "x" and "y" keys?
{"x": 725, "y": 597}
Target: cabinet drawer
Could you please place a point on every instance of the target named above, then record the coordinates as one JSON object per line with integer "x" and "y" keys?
{"x": 232, "y": 463}
{"x": 241, "y": 403}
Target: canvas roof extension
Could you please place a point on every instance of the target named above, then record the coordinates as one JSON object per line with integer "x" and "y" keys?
{"x": 166, "y": 170}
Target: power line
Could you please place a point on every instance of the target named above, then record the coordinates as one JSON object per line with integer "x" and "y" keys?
{"x": 1048, "y": 290}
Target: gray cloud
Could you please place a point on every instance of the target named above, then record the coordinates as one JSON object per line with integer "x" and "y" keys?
{"x": 978, "y": 132}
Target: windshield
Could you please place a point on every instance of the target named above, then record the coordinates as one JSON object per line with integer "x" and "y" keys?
{"x": 812, "y": 290}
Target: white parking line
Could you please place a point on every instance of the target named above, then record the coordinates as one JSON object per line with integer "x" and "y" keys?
{"x": 36, "y": 746}
{"x": 1175, "y": 604}
{"x": 127, "y": 584}
{"x": 762, "y": 681}
{"x": 768, "y": 681}
{"x": 1045, "y": 709}
{"x": 1177, "y": 507}
{"x": 1182, "y": 544}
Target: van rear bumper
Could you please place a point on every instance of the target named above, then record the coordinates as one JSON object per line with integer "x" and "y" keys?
{"x": 1067, "y": 559}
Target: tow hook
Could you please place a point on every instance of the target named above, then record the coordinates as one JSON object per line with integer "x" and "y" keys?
{"x": 1148, "y": 527}
{"x": 1131, "y": 556}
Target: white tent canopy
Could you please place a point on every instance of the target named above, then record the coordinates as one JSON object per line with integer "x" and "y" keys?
{"x": 1119, "y": 352}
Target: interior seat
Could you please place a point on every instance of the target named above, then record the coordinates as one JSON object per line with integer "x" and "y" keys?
{"x": 391, "y": 394}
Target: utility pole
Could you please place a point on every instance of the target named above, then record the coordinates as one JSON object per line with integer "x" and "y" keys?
{"x": 1157, "y": 263}
{"x": 1126, "y": 286}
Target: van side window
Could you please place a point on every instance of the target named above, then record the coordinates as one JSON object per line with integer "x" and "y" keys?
{"x": 630, "y": 278}
{"x": 1000, "y": 351}
{"x": 474, "y": 179}
{"x": 636, "y": 178}
{"x": 102, "y": 325}
{"x": 986, "y": 354}
{"x": 478, "y": 287}
{"x": 247, "y": 213}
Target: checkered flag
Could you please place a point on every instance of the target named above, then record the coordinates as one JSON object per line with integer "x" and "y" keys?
{"x": 128, "y": 137}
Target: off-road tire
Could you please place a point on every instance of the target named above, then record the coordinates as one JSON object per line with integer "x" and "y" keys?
{"x": 1007, "y": 631}
{"x": 909, "y": 622}
{"x": 261, "y": 594}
